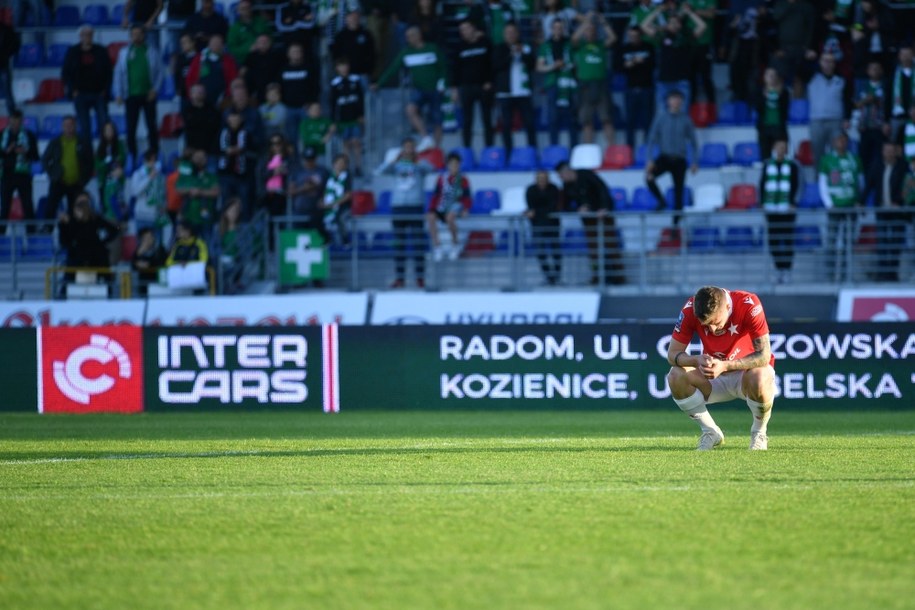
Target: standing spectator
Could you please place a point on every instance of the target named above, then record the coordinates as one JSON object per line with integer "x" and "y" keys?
{"x": 110, "y": 162}
{"x": 206, "y": 23}
{"x": 199, "y": 191}
{"x": 472, "y": 81}
{"x": 347, "y": 108}
{"x": 450, "y": 199}
{"x": 276, "y": 172}
{"x": 513, "y": 66}
{"x": 314, "y": 130}
{"x": 638, "y": 66}
{"x": 67, "y": 160}
{"x": 874, "y": 124}
{"x": 841, "y": 179}
{"x": 553, "y": 11}
{"x": 181, "y": 65}
{"x": 298, "y": 24}
{"x": 243, "y": 33}
{"x": 86, "y": 75}
{"x": 673, "y": 133}
{"x": 498, "y": 15}
{"x": 675, "y": 50}
{"x": 871, "y": 40}
{"x": 745, "y": 48}
{"x": 85, "y": 235}
{"x": 554, "y": 62}
{"x": 214, "y": 69}
{"x": 795, "y": 23}
{"x": 771, "y": 111}
{"x": 903, "y": 86}
{"x": 179, "y": 11}
{"x": 407, "y": 208}
{"x": 273, "y": 111}
{"x": 306, "y": 191}
{"x": 201, "y": 122}
{"x": 338, "y": 199}
{"x": 145, "y": 13}
{"x": 703, "y": 52}
{"x": 300, "y": 88}
{"x": 235, "y": 155}
{"x": 18, "y": 150}
{"x": 885, "y": 180}
{"x": 9, "y": 47}
{"x": 355, "y": 43}
{"x": 379, "y": 15}
{"x": 241, "y": 102}
{"x": 544, "y": 201}
{"x": 147, "y": 259}
{"x": 262, "y": 67}
{"x": 147, "y": 187}
{"x": 584, "y": 191}
{"x": 590, "y": 59}
{"x": 778, "y": 186}
{"x": 425, "y": 17}
{"x": 137, "y": 77}
{"x": 829, "y": 106}
{"x": 472, "y": 10}
{"x": 426, "y": 67}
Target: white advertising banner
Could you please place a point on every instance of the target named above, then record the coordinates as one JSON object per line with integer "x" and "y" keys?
{"x": 485, "y": 308}
{"x": 21, "y": 314}
{"x": 266, "y": 310}
{"x": 876, "y": 305}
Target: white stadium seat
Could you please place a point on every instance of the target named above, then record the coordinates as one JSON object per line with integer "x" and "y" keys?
{"x": 514, "y": 201}
{"x": 585, "y": 156}
{"x": 707, "y": 198}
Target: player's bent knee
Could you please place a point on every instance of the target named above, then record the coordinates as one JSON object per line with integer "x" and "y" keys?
{"x": 759, "y": 384}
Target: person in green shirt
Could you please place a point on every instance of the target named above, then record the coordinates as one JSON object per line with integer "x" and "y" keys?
{"x": 244, "y": 31}
{"x": 314, "y": 130}
{"x": 841, "y": 180}
{"x": 426, "y": 66}
{"x": 589, "y": 55}
{"x": 554, "y": 63}
{"x": 778, "y": 185}
{"x": 199, "y": 191}
{"x": 137, "y": 78}
{"x": 110, "y": 161}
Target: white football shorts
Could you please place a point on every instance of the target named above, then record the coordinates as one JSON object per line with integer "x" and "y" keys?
{"x": 728, "y": 386}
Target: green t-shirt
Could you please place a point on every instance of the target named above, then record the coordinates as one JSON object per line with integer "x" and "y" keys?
{"x": 709, "y": 34}
{"x": 138, "y": 80}
{"x": 425, "y": 65}
{"x": 563, "y": 79}
{"x": 242, "y": 36}
{"x": 69, "y": 161}
{"x": 199, "y": 210}
{"x": 638, "y": 15}
{"x": 843, "y": 176}
{"x": 590, "y": 61}
{"x": 312, "y": 132}
{"x": 771, "y": 114}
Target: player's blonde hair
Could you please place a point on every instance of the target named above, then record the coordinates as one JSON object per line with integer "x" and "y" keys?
{"x": 707, "y": 301}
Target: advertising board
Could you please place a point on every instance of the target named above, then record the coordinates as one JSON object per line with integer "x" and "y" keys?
{"x": 485, "y": 308}
{"x": 266, "y": 310}
{"x": 876, "y": 305}
{"x": 31, "y": 314}
{"x": 18, "y": 369}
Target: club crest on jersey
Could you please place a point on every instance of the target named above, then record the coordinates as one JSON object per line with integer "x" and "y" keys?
{"x": 732, "y": 329}
{"x": 748, "y": 300}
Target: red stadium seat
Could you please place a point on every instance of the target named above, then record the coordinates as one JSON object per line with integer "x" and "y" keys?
{"x": 128, "y": 247}
{"x": 113, "y": 49}
{"x": 50, "y": 90}
{"x": 742, "y": 197}
{"x": 172, "y": 124}
{"x": 434, "y": 157}
{"x": 479, "y": 243}
{"x": 804, "y": 153}
{"x": 703, "y": 114}
{"x": 617, "y": 156}
{"x": 363, "y": 203}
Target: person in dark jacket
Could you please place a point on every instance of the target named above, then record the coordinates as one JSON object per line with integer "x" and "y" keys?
{"x": 357, "y": 44}
{"x": 205, "y": 23}
{"x": 68, "y": 162}
{"x": 85, "y": 235}
{"x": 544, "y": 201}
{"x": 9, "y": 47}
{"x": 472, "y": 80}
{"x": 262, "y": 67}
{"x": 201, "y": 122}
{"x": 87, "y": 74}
{"x": 300, "y": 88}
{"x": 513, "y": 71}
{"x": 585, "y": 192}
{"x": 18, "y": 150}
{"x": 888, "y": 171}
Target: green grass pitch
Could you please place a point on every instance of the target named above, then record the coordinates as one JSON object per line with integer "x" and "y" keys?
{"x": 456, "y": 510}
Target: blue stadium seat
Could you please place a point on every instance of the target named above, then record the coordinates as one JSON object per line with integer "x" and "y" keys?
{"x": 66, "y": 16}
{"x": 523, "y": 159}
{"x": 120, "y": 121}
{"x": 51, "y": 125}
{"x": 30, "y": 123}
{"x": 810, "y": 196}
{"x": 56, "y": 54}
{"x": 734, "y": 113}
{"x": 687, "y": 197}
{"x": 553, "y": 155}
{"x": 167, "y": 89}
{"x": 485, "y": 201}
{"x": 492, "y": 159}
{"x": 7, "y": 246}
{"x": 620, "y": 199}
{"x": 807, "y": 237}
{"x": 31, "y": 55}
{"x": 95, "y": 14}
{"x": 799, "y": 112}
{"x": 574, "y": 240}
{"x": 467, "y": 159}
{"x": 746, "y": 153}
{"x": 38, "y": 247}
{"x": 383, "y": 206}
{"x": 740, "y": 239}
{"x": 703, "y": 239}
{"x": 382, "y": 242}
{"x": 642, "y": 156}
{"x": 713, "y": 154}
{"x": 116, "y": 14}
{"x": 642, "y": 200}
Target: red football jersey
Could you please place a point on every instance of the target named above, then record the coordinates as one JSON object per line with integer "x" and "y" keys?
{"x": 746, "y": 322}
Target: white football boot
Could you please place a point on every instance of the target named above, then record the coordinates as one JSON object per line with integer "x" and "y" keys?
{"x": 710, "y": 439}
{"x": 759, "y": 441}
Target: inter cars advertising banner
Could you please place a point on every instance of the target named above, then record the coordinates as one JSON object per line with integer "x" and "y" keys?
{"x": 191, "y": 369}
{"x": 127, "y": 369}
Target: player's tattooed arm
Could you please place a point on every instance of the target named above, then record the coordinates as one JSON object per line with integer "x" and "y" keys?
{"x": 762, "y": 351}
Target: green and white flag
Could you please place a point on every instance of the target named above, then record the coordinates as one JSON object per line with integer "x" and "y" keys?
{"x": 303, "y": 257}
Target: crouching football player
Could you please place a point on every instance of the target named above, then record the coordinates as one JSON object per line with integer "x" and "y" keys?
{"x": 736, "y": 361}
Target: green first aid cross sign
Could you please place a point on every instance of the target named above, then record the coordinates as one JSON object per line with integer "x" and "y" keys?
{"x": 303, "y": 257}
